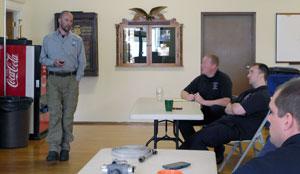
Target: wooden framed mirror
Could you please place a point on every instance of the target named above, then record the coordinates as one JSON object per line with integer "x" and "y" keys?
{"x": 149, "y": 43}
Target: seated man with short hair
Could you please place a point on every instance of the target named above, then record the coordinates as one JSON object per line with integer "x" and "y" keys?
{"x": 212, "y": 90}
{"x": 242, "y": 120}
{"x": 284, "y": 134}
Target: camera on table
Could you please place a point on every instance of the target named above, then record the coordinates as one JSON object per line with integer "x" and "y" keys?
{"x": 118, "y": 167}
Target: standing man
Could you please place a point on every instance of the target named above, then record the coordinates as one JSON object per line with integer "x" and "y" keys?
{"x": 242, "y": 120}
{"x": 284, "y": 134}
{"x": 63, "y": 54}
{"x": 212, "y": 89}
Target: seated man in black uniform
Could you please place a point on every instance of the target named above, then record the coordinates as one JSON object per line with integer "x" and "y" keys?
{"x": 284, "y": 134}
{"x": 212, "y": 89}
{"x": 242, "y": 120}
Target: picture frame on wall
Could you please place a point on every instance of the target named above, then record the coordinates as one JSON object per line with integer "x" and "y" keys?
{"x": 287, "y": 38}
{"x": 85, "y": 25}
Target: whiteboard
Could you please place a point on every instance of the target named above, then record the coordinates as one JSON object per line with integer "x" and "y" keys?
{"x": 288, "y": 37}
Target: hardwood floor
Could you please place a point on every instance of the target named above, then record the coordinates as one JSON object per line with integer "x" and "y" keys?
{"x": 89, "y": 138}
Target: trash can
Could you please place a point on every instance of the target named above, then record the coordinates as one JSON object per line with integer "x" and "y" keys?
{"x": 14, "y": 121}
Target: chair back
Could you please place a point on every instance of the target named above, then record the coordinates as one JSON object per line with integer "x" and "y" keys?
{"x": 279, "y": 75}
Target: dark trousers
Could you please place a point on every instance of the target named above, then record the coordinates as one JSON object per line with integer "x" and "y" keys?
{"x": 213, "y": 135}
{"x": 211, "y": 114}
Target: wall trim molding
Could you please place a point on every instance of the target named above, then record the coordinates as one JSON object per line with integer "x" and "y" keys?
{"x": 18, "y": 1}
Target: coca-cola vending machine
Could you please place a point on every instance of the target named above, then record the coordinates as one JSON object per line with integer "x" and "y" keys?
{"x": 26, "y": 77}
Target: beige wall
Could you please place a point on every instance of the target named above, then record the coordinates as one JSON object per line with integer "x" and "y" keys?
{"x": 1, "y": 17}
{"x": 110, "y": 96}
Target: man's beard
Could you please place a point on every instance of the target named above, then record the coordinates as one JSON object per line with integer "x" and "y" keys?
{"x": 66, "y": 28}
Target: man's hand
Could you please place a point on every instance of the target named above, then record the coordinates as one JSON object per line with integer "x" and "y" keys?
{"x": 58, "y": 63}
{"x": 187, "y": 96}
{"x": 199, "y": 99}
{"x": 228, "y": 109}
{"x": 235, "y": 109}
{"x": 190, "y": 97}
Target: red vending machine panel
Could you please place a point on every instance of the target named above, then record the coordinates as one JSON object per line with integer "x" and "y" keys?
{"x": 43, "y": 111}
{"x": 26, "y": 77}
{"x": 15, "y": 71}
{"x": 1, "y": 71}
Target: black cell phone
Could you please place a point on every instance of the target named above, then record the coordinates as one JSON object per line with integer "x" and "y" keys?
{"x": 177, "y": 165}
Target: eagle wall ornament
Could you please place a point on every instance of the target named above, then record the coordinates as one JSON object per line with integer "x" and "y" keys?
{"x": 154, "y": 14}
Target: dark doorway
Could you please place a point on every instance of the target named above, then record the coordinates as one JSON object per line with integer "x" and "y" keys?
{"x": 10, "y": 25}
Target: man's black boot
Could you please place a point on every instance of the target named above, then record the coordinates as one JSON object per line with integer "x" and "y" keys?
{"x": 64, "y": 155}
{"x": 52, "y": 156}
{"x": 220, "y": 158}
{"x": 219, "y": 154}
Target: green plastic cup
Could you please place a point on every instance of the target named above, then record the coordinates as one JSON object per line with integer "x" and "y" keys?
{"x": 169, "y": 105}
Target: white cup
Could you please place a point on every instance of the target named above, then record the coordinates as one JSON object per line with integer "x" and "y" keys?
{"x": 159, "y": 93}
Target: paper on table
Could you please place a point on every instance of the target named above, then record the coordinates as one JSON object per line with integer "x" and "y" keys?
{"x": 179, "y": 100}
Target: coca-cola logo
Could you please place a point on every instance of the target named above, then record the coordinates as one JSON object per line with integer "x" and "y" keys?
{"x": 12, "y": 70}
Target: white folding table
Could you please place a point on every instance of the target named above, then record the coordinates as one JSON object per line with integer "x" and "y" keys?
{"x": 151, "y": 109}
{"x": 202, "y": 162}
